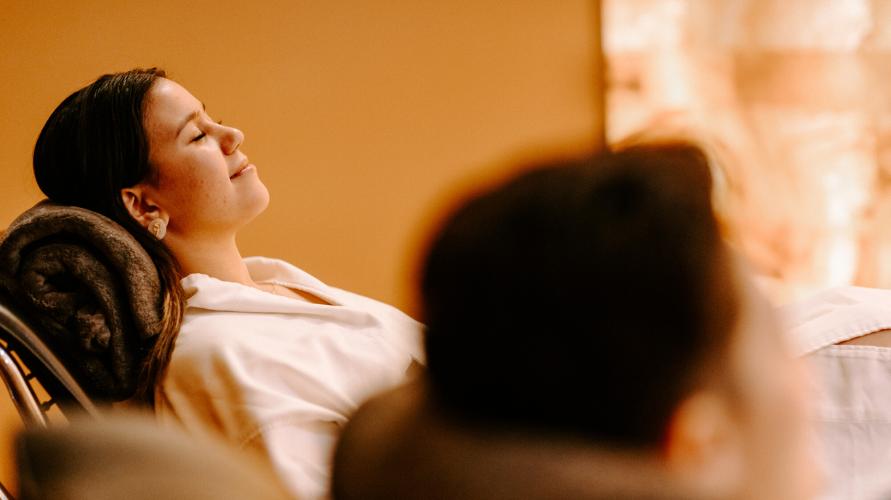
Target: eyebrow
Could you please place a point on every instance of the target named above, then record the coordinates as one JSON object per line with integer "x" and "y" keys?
{"x": 192, "y": 116}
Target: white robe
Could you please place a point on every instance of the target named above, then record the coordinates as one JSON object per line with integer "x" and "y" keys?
{"x": 853, "y": 382}
{"x": 281, "y": 375}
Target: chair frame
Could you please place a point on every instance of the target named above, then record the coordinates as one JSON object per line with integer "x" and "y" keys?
{"x": 43, "y": 366}
{"x": 23, "y": 396}
{"x": 25, "y": 358}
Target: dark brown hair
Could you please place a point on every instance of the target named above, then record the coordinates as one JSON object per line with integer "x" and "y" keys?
{"x": 587, "y": 297}
{"x": 93, "y": 145}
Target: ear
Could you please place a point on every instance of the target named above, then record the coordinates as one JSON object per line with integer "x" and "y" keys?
{"x": 704, "y": 443}
{"x": 138, "y": 201}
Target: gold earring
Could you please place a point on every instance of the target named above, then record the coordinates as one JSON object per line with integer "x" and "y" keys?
{"x": 158, "y": 228}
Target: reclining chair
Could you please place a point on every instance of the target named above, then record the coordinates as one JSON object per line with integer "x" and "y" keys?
{"x": 69, "y": 277}
{"x": 26, "y": 360}
{"x": 75, "y": 461}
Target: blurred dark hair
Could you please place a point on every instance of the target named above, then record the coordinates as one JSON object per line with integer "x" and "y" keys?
{"x": 93, "y": 145}
{"x": 586, "y": 296}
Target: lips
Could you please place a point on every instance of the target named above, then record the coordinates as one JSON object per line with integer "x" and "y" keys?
{"x": 245, "y": 167}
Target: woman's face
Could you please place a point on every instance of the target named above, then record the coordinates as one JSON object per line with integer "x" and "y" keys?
{"x": 202, "y": 180}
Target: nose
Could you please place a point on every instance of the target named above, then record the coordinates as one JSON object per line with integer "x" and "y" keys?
{"x": 231, "y": 139}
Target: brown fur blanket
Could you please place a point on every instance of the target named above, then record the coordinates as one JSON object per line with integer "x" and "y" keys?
{"x": 90, "y": 290}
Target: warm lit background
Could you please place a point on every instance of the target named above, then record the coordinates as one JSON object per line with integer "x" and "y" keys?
{"x": 793, "y": 97}
{"x": 364, "y": 117}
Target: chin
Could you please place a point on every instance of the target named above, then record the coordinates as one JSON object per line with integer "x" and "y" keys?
{"x": 260, "y": 200}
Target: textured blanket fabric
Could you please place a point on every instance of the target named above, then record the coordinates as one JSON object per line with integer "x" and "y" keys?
{"x": 91, "y": 290}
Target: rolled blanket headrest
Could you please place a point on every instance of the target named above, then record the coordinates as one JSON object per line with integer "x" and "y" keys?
{"x": 89, "y": 288}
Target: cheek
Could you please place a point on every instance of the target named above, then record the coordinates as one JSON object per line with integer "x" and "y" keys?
{"x": 769, "y": 390}
{"x": 193, "y": 188}
{"x": 780, "y": 437}
{"x": 181, "y": 185}
{"x": 777, "y": 399}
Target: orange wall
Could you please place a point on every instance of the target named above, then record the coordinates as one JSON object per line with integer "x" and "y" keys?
{"x": 362, "y": 116}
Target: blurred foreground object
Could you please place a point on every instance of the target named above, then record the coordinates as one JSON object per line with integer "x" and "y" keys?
{"x": 399, "y": 446}
{"x": 133, "y": 458}
{"x": 590, "y": 335}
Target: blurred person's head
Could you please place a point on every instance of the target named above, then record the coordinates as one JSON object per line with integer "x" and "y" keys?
{"x": 140, "y": 149}
{"x": 596, "y": 299}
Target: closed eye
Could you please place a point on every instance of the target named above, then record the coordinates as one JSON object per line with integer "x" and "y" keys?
{"x": 203, "y": 134}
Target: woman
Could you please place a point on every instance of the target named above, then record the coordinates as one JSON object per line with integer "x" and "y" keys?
{"x": 255, "y": 348}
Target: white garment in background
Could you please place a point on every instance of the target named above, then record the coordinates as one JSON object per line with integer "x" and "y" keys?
{"x": 282, "y": 375}
{"x": 853, "y": 383}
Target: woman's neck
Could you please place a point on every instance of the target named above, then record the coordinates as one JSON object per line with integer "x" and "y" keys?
{"x": 216, "y": 258}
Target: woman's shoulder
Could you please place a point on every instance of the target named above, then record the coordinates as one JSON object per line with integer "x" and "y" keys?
{"x": 206, "y": 335}
{"x": 297, "y": 339}
{"x": 233, "y": 317}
